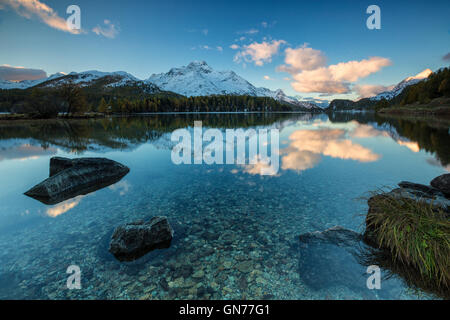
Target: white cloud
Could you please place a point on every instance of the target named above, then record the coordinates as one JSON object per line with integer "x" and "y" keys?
{"x": 267, "y": 78}
{"x": 330, "y": 79}
{"x": 259, "y": 53}
{"x": 20, "y": 73}
{"x": 207, "y": 47}
{"x": 35, "y": 8}
{"x": 234, "y": 46}
{"x": 109, "y": 30}
{"x": 370, "y": 90}
{"x": 301, "y": 59}
{"x": 250, "y": 31}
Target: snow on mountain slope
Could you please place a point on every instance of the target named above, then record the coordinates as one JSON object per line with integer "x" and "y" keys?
{"x": 4, "y": 84}
{"x": 88, "y": 78}
{"x": 199, "y": 79}
{"x": 84, "y": 79}
{"x": 402, "y": 85}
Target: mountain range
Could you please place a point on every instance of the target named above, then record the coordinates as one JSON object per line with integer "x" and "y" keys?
{"x": 199, "y": 79}
{"x": 195, "y": 79}
{"x": 397, "y": 89}
{"x": 361, "y": 104}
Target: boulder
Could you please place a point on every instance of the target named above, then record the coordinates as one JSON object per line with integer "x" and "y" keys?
{"x": 420, "y": 189}
{"x": 442, "y": 183}
{"x": 72, "y": 177}
{"x": 133, "y": 240}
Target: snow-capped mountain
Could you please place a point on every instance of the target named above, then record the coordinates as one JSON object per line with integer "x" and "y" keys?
{"x": 195, "y": 79}
{"x": 88, "y": 78}
{"x": 83, "y": 79}
{"x": 5, "y": 84}
{"x": 402, "y": 85}
{"x": 199, "y": 79}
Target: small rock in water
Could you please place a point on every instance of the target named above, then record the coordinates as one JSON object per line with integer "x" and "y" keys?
{"x": 245, "y": 266}
{"x": 133, "y": 240}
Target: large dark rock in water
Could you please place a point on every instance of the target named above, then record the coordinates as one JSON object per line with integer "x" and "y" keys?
{"x": 133, "y": 240}
{"x": 72, "y": 177}
{"x": 442, "y": 183}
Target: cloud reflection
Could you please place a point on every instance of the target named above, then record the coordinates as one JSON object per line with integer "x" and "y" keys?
{"x": 307, "y": 146}
{"x": 24, "y": 152}
{"x": 63, "y": 207}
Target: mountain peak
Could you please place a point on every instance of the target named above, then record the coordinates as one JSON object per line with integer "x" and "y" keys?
{"x": 421, "y": 75}
{"x": 198, "y": 63}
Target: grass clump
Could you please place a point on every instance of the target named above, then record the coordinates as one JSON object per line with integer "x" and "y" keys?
{"x": 415, "y": 232}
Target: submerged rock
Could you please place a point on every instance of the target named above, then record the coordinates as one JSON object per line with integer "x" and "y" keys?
{"x": 72, "y": 177}
{"x": 332, "y": 259}
{"x": 442, "y": 183}
{"x": 336, "y": 235}
{"x": 133, "y": 240}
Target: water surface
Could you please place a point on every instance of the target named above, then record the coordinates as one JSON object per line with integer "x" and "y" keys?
{"x": 236, "y": 231}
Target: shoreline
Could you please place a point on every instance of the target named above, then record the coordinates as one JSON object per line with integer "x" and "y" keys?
{"x": 17, "y": 116}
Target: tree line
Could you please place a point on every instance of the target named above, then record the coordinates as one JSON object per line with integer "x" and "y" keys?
{"x": 70, "y": 98}
{"x": 437, "y": 85}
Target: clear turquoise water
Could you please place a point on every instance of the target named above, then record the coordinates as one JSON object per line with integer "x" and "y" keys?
{"x": 236, "y": 232}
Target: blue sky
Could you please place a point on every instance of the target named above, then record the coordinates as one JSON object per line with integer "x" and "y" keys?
{"x": 145, "y": 37}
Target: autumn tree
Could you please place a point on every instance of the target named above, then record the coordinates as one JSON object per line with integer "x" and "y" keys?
{"x": 74, "y": 98}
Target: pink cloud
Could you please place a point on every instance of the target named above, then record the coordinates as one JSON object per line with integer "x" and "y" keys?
{"x": 35, "y": 8}
{"x": 370, "y": 90}
{"x": 259, "y": 53}
{"x": 337, "y": 78}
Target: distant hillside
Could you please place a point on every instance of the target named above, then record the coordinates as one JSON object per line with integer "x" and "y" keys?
{"x": 432, "y": 93}
{"x": 343, "y": 104}
{"x": 413, "y": 90}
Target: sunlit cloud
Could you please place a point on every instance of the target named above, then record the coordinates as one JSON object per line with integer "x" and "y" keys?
{"x": 11, "y": 73}
{"x": 370, "y": 90}
{"x": 63, "y": 207}
{"x": 108, "y": 30}
{"x": 259, "y": 53}
{"x": 310, "y": 73}
{"x": 337, "y": 78}
{"x": 35, "y": 9}
{"x": 301, "y": 59}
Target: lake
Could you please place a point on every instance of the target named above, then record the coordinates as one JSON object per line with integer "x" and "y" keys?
{"x": 236, "y": 232}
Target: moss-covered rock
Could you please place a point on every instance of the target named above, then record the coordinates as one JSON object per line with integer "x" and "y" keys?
{"x": 412, "y": 224}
